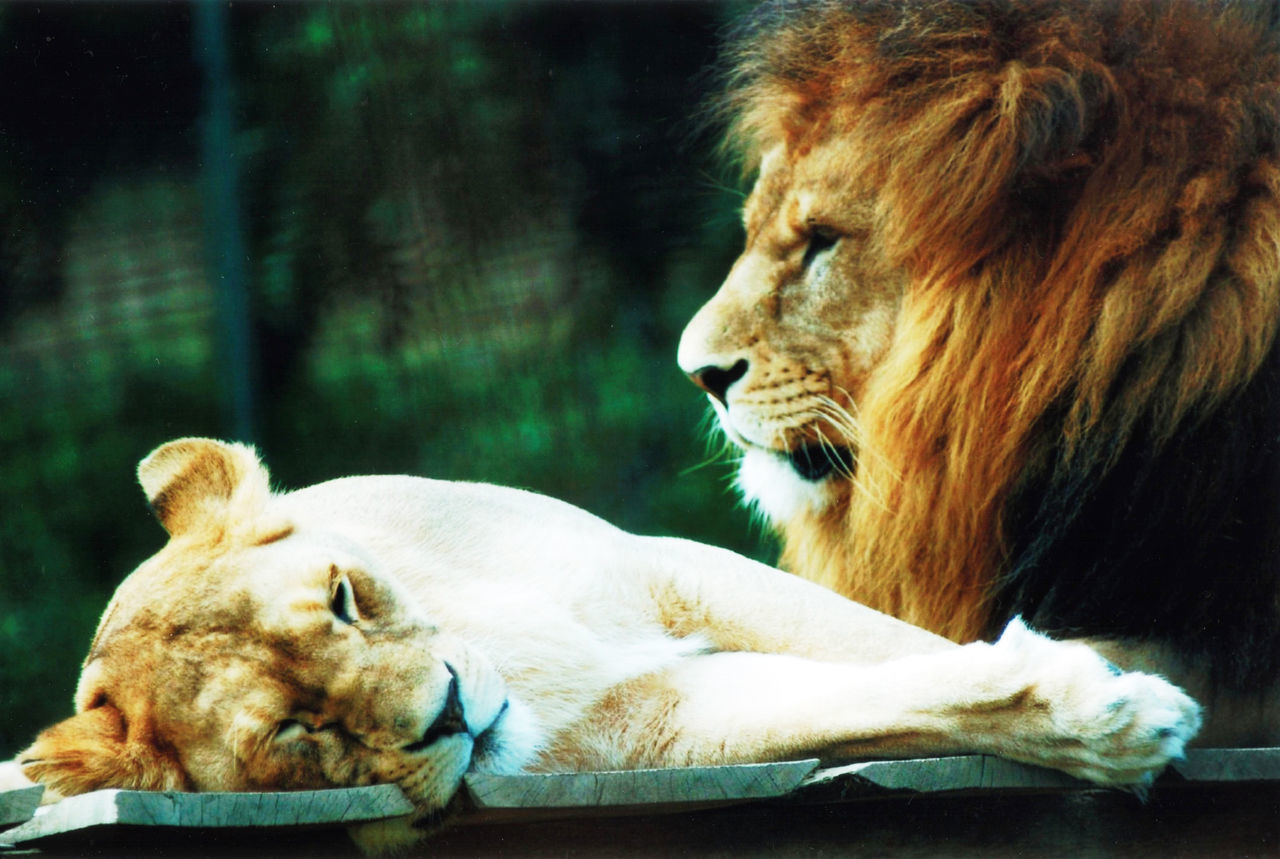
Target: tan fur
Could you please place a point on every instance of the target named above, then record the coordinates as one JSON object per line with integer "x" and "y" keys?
{"x": 309, "y": 639}
{"x": 983, "y": 307}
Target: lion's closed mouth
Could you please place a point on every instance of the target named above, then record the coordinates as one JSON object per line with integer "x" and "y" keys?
{"x": 814, "y": 462}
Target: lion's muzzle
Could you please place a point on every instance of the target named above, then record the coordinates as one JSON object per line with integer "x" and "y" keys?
{"x": 451, "y": 719}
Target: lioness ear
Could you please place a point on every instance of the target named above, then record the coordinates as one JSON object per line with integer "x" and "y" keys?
{"x": 92, "y": 750}
{"x": 192, "y": 479}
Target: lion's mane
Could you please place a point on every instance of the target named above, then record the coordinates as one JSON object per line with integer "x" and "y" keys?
{"x": 1078, "y": 418}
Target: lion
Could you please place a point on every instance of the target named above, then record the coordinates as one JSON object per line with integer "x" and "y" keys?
{"x": 403, "y": 630}
{"x": 1002, "y": 339}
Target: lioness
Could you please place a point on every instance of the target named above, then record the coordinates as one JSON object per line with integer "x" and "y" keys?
{"x": 404, "y": 630}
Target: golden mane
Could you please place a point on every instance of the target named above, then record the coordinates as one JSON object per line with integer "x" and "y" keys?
{"x": 1092, "y": 240}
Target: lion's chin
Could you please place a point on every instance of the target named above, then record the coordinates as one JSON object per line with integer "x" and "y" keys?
{"x": 397, "y": 835}
{"x": 778, "y": 490}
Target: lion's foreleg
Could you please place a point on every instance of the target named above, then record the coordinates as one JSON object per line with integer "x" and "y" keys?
{"x": 1026, "y": 698}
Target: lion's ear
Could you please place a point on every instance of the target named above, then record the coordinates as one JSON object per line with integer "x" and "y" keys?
{"x": 192, "y": 480}
{"x": 93, "y": 750}
{"x": 1061, "y": 114}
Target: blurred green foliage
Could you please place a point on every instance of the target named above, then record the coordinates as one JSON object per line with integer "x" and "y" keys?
{"x": 475, "y": 231}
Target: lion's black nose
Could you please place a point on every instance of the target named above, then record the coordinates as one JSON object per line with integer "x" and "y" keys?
{"x": 452, "y": 718}
{"x": 716, "y": 380}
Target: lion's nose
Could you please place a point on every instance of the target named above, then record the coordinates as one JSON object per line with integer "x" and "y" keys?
{"x": 452, "y": 717}
{"x": 716, "y": 380}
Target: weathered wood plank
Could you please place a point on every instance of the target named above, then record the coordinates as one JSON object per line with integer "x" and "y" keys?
{"x": 210, "y": 810}
{"x": 578, "y": 798}
{"x": 17, "y": 806}
{"x": 930, "y": 775}
{"x": 688, "y": 785}
{"x": 1230, "y": 765}
{"x": 967, "y": 772}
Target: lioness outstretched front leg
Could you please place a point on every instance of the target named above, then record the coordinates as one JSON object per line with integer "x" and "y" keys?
{"x": 1025, "y": 697}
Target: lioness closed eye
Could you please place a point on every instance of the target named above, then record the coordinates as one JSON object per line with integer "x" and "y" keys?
{"x": 404, "y": 630}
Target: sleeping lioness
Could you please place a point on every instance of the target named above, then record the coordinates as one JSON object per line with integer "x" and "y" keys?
{"x": 403, "y": 630}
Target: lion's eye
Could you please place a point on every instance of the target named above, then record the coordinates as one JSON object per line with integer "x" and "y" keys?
{"x": 821, "y": 240}
{"x": 343, "y": 602}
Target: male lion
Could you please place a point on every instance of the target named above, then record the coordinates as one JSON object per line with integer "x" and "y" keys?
{"x": 404, "y": 630}
{"x": 1002, "y": 340}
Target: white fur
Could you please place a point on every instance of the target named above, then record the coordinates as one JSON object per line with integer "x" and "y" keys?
{"x": 771, "y": 486}
{"x": 12, "y": 777}
{"x": 1122, "y": 722}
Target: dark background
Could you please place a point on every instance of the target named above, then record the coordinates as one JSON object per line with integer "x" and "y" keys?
{"x": 457, "y": 240}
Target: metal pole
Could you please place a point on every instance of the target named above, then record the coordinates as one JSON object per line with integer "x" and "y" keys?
{"x": 228, "y": 256}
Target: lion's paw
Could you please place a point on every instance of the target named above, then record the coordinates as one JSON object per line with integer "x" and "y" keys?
{"x": 1105, "y": 725}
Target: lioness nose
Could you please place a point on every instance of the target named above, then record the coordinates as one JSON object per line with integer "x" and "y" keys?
{"x": 716, "y": 380}
{"x": 452, "y": 718}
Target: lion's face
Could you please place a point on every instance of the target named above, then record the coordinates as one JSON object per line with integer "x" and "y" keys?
{"x": 254, "y": 653}
{"x": 297, "y": 667}
{"x": 807, "y": 313}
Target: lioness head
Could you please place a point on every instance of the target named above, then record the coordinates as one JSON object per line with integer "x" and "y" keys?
{"x": 255, "y": 652}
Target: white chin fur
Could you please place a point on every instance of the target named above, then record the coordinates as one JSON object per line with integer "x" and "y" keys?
{"x": 517, "y": 743}
{"x": 771, "y": 486}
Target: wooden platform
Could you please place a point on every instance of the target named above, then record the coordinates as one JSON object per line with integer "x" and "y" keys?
{"x": 1216, "y": 803}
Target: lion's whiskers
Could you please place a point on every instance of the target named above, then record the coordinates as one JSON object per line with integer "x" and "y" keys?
{"x": 245, "y": 734}
{"x": 718, "y": 447}
{"x": 834, "y": 426}
{"x": 848, "y": 429}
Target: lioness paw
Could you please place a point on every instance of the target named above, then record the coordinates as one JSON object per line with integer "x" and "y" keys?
{"x": 1105, "y": 725}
